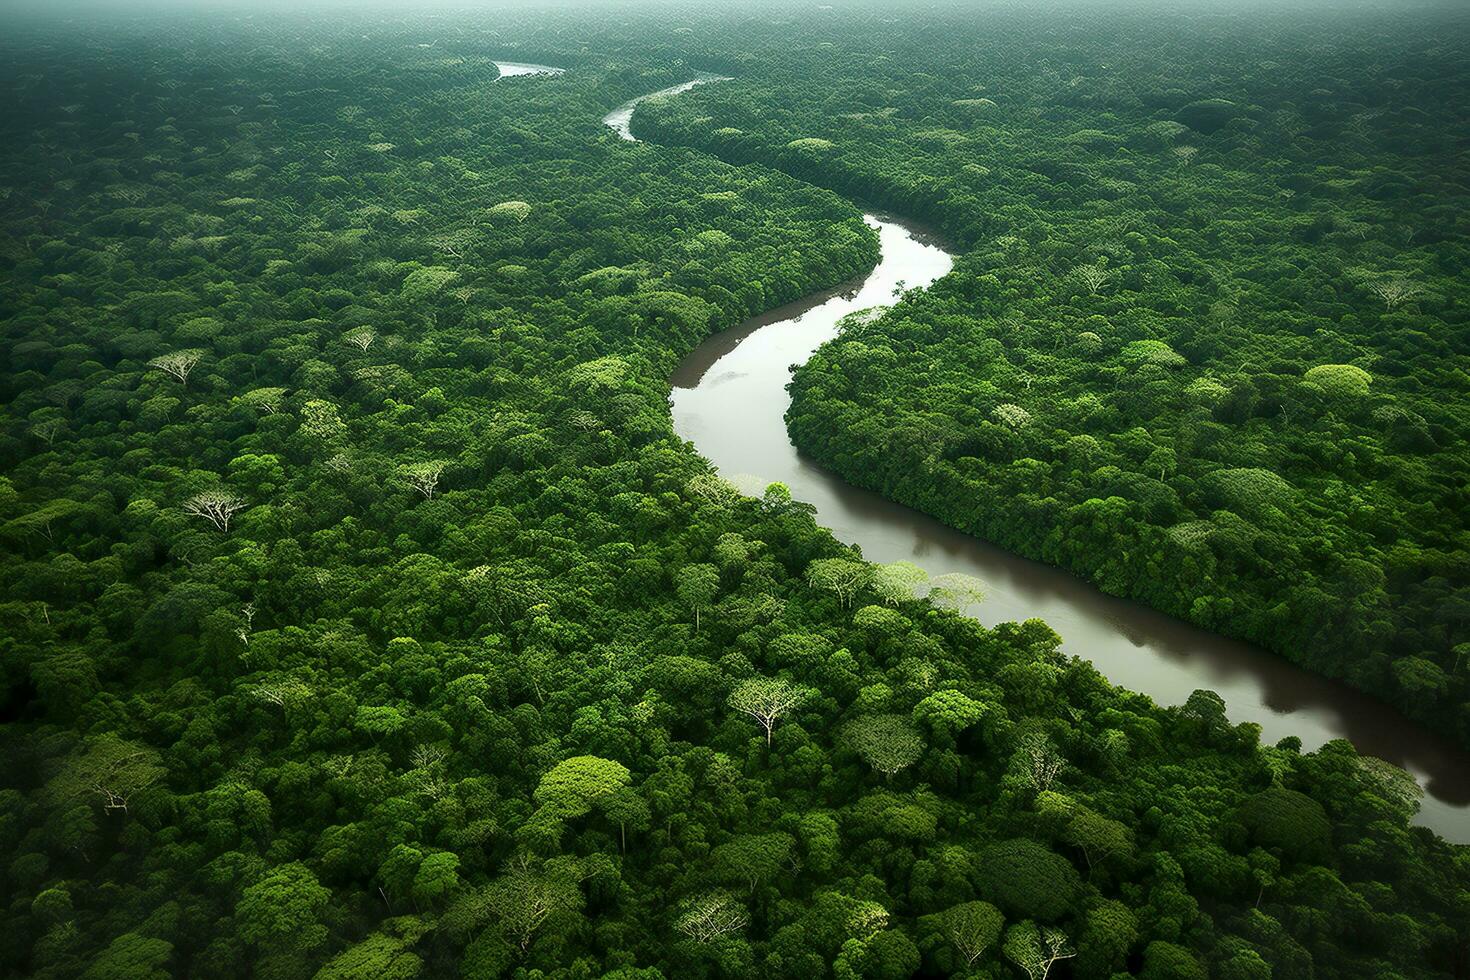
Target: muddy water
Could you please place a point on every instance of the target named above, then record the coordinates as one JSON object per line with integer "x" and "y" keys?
{"x": 729, "y": 398}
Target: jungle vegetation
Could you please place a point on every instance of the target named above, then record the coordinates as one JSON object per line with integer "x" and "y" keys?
{"x": 362, "y": 615}
{"x": 1207, "y": 344}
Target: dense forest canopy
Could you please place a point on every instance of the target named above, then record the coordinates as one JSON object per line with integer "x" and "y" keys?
{"x": 363, "y": 616}
{"x": 1207, "y": 346}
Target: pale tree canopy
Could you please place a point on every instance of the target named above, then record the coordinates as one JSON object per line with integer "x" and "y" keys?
{"x": 572, "y": 785}
{"x": 178, "y": 364}
{"x": 972, "y": 928}
{"x": 360, "y": 337}
{"x": 510, "y": 212}
{"x": 843, "y": 577}
{"x": 697, "y": 585}
{"x": 1343, "y": 381}
{"x": 1392, "y": 783}
{"x": 1036, "y": 949}
{"x": 1012, "y": 415}
{"x": 1152, "y": 352}
{"x": 602, "y": 374}
{"x": 1094, "y": 278}
{"x": 1395, "y": 292}
{"x": 897, "y": 582}
{"x": 423, "y": 477}
{"x": 1038, "y": 761}
{"x": 712, "y": 489}
{"x": 956, "y": 590}
{"x": 321, "y": 420}
{"x": 110, "y": 771}
{"x": 528, "y": 898}
{"x": 217, "y": 507}
{"x": 266, "y": 401}
{"x": 712, "y": 915}
{"x": 766, "y": 699}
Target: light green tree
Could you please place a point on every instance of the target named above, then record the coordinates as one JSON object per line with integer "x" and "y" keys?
{"x": 1036, "y": 949}
{"x": 284, "y": 910}
{"x": 573, "y": 785}
{"x": 843, "y": 577}
{"x": 888, "y": 743}
{"x": 697, "y": 585}
{"x": 766, "y": 699}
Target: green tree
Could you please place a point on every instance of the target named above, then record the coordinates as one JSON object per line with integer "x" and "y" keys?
{"x": 888, "y": 743}
{"x": 698, "y": 585}
{"x": 573, "y": 786}
{"x": 284, "y": 910}
{"x": 131, "y": 957}
{"x": 379, "y": 956}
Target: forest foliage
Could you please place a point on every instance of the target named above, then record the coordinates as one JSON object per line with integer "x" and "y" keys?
{"x": 1206, "y": 344}
{"x": 363, "y": 616}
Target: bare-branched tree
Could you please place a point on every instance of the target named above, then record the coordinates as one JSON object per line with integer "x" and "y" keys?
{"x": 843, "y": 577}
{"x": 1395, "y": 292}
{"x": 1036, "y": 949}
{"x": 525, "y": 897}
{"x": 243, "y": 631}
{"x": 972, "y": 928}
{"x": 423, "y": 477}
{"x": 766, "y": 699}
{"x": 1094, "y": 277}
{"x": 1040, "y": 761}
{"x": 428, "y": 755}
{"x": 111, "y": 771}
{"x": 48, "y": 429}
{"x": 178, "y": 364}
{"x": 283, "y": 693}
{"x": 711, "y": 916}
{"x": 361, "y": 337}
{"x": 215, "y": 506}
{"x": 266, "y": 401}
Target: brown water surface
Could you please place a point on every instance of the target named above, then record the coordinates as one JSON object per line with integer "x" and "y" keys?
{"x": 729, "y": 399}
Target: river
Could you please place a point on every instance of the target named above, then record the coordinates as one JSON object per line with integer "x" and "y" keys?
{"x": 510, "y": 69}
{"x": 729, "y": 399}
{"x": 621, "y": 118}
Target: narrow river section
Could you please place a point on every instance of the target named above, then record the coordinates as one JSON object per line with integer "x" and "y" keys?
{"x": 510, "y": 69}
{"x": 621, "y": 118}
{"x": 729, "y": 399}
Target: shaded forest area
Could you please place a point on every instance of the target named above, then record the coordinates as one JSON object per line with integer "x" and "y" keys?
{"x": 362, "y": 614}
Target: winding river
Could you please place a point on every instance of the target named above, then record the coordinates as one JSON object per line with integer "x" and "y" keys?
{"x": 621, "y": 118}
{"x": 729, "y": 399}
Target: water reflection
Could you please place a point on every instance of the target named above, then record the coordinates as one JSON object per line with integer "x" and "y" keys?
{"x": 729, "y": 398}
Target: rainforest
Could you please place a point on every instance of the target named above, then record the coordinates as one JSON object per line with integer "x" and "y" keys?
{"x": 664, "y": 490}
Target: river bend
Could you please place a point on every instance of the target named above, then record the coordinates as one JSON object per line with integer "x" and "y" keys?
{"x": 729, "y": 399}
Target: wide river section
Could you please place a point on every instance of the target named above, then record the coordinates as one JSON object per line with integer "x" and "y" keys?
{"x": 729, "y": 399}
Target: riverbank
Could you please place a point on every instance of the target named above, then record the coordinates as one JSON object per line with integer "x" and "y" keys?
{"x": 729, "y": 399}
